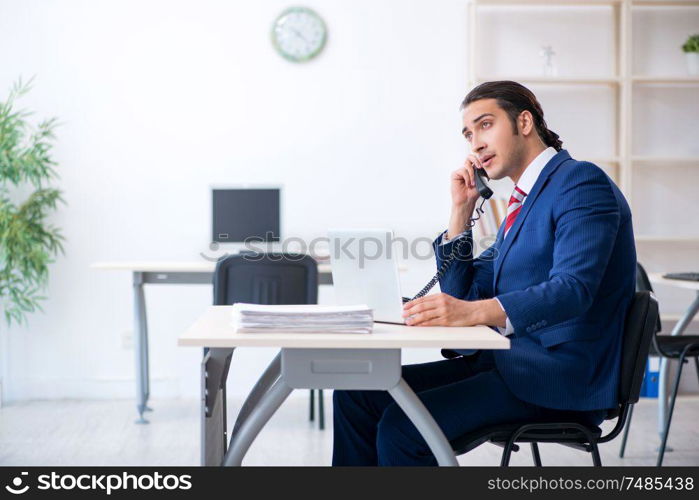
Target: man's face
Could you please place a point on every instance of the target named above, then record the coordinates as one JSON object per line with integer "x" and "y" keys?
{"x": 489, "y": 131}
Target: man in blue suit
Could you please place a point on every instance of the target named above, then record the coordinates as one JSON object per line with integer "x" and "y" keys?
{"x": 557, "y": 281}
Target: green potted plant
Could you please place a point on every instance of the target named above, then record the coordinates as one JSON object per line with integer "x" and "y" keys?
{"x": 28, "y": 241}
{"x": 691, "y": 48}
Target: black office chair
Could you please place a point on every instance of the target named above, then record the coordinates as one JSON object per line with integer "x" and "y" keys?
{"x": 269, "y": 278}
{"x": 641, "y": 319}
{"x": 678, "y": 347}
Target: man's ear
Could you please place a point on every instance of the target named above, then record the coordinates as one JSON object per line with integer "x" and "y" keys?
{"x": 525, "y": 122}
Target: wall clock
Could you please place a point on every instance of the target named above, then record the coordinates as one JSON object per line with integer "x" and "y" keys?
{"x": 299, "y": 34}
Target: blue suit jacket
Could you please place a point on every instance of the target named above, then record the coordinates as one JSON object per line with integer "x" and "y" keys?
{"x": 565, "y": 275}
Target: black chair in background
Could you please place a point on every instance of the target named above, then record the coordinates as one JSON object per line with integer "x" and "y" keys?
{"x": 269, "y": 278}
{"x": 671, "y": 347}
{"x": 641, "y": 319}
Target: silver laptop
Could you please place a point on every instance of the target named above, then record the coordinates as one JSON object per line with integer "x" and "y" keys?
{"x": 365, "y": 271}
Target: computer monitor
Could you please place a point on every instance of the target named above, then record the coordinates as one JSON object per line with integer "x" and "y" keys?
{"x": 242, "y": 213}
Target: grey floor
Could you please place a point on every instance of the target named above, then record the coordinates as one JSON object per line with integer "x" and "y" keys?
{"x": 72, "y": 432}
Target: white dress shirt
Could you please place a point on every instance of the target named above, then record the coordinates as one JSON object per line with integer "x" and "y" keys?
{"x": 526, "y": 184}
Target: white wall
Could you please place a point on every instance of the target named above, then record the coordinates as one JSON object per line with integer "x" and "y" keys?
{"x": 161, "y": 99}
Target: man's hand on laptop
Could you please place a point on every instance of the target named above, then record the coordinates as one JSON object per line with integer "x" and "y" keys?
{"x": 441, "y": 309}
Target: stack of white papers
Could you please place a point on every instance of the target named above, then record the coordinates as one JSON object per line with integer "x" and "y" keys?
{"x": 302, "y": 318}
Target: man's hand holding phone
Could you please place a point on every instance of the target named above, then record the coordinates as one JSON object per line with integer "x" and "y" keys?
{"x": 464, "y": 195}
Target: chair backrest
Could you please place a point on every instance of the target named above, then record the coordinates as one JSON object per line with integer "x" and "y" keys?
{"x": 641, "y": 318}
{"x": 643, "y": 285}
{"x": 642, "y": 281}
{"x": 266, "y": 278}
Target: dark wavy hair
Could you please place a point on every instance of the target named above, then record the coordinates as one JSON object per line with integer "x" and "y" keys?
{"x": 514, "y": 98}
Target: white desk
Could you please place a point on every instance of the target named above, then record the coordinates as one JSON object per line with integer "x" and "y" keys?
{"x": 315, "y": 361}
{"x": 679, "y": 328}
{"x": 167, "y": 273}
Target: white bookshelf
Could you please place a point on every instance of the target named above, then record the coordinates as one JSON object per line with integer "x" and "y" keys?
{"x": 624, "y": 81}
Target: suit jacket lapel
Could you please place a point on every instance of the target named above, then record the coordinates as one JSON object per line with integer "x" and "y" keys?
{"x": 505, "y": 245}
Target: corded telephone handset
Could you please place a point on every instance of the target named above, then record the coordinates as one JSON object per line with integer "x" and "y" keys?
{"x": 483, "y": 189}
{"x": 486, "y": 193}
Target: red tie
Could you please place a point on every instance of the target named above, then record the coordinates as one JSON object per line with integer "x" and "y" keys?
{"x": 513, "y": 208}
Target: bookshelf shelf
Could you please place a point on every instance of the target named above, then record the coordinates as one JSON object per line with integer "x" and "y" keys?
{"x": 664, "y": 160}
{"x": 577, "y": 3}
{"x": 557, "y": 3}
{"x": 573, "y": 3}
{"x": 665, "y": 3}
{"x": 648, "y": 238}
{"x": 666, "y": 80}
{"x": 592, "y": 80}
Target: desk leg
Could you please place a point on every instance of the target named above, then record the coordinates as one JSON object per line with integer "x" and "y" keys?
{"x": 421, "y": 418}
{"x": 251, "y": 427}
{"x": 681, "y": 325}
{"x": 214, "y": 372}
{"x": 140, "y": 347}
{"x": 268, "y": 378}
